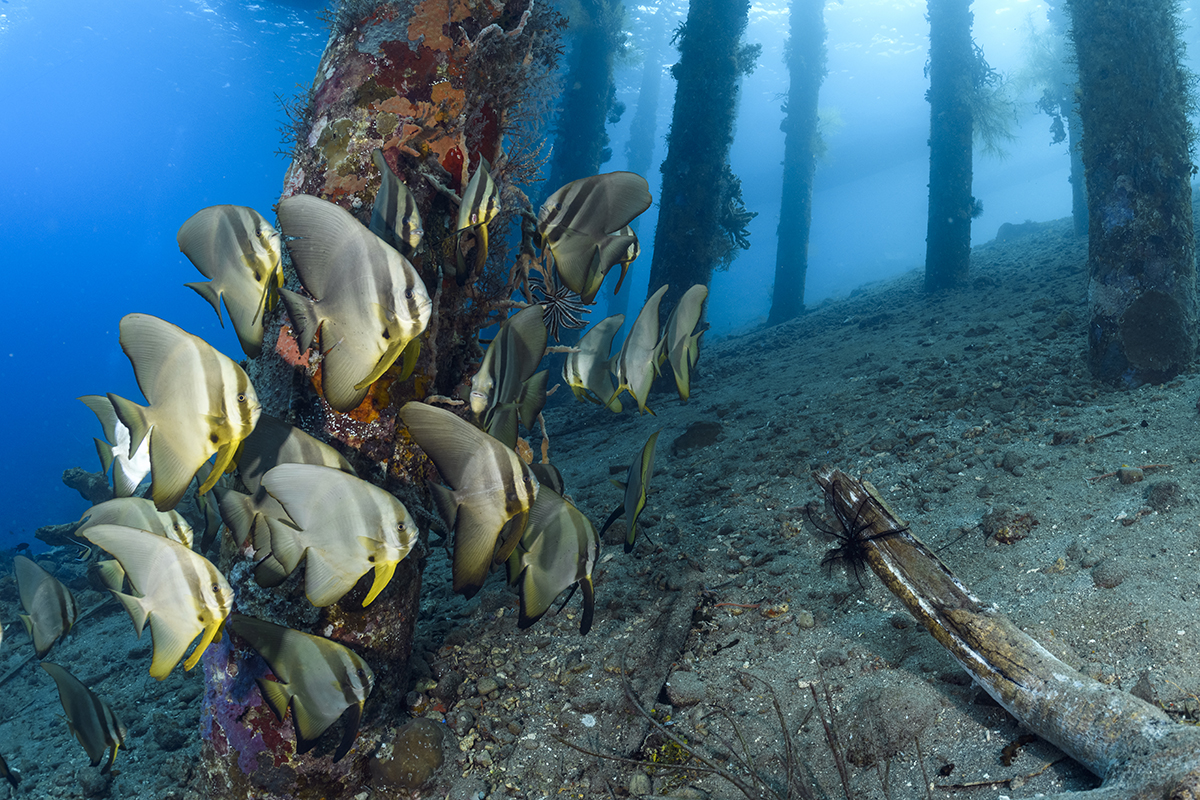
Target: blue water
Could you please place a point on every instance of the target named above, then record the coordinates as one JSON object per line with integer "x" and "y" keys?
{"x": 116, "y": 124}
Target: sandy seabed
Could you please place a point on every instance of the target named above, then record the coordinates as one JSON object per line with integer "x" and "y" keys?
{"x": 973, "y": 413}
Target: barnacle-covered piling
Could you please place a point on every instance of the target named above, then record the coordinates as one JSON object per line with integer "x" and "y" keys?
{"x": 1133, "y": 746}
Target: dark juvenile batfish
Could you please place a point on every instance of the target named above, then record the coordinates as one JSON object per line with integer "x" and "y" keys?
{"x": 637, "y": 488}
{"x": 367, "y": 300}
{"x": 394, "y": 216}
{"x": 343, "y": 528}
{"x": 587, "y": 371}
{"x": 480, "y": 205}
{"x": 317, "y": 678}
{"x": 505, "y": 388}
{"x": 680, "y": 345}
{"x": 91, "y": 719}
{"x": 637, "y": 363}
{"x": 582, "y": 224}
{"x": 557, "y": 551}
{"x": 238, "y": 251}
{"x": 201, "y": 403}
{"x": 128, "y": 468}
{"x": 491, "y": 490}
{"x": 179, "y": 591}
{"x": 50, "y": 608}
{"x": 621, "y": 248}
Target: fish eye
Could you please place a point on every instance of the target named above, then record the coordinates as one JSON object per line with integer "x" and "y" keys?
{"x": 408, "y": 294}
{"x": 241, "y": 398}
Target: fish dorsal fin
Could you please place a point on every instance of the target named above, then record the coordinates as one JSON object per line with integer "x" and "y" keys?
{"x": 328, "y": 240}
{"x": 151, "y": 344}
{"x": 450, "y": 442}
{"x": 598, "y": 204}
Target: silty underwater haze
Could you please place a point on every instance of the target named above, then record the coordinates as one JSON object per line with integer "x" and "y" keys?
{"x": 121, "y": 123}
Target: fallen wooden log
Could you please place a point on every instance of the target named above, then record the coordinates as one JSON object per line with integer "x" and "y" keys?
{"x": 1133, "y": 746}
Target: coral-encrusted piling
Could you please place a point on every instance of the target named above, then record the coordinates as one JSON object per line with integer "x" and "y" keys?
{"x": 438, "y": 86}
{"x": 1136, "y": 149}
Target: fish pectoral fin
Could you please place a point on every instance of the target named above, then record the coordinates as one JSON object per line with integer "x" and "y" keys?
{"x": 222, "y": 464}
{"x": 395, "y": 347}
{"x": 303, "y": 313}
{"x": 409, "y": 356}
{"x": 211, "y": 632}
{"x": 383, "y": 573}
{"x": 503, "y": 424}
{"x": 286, "y": 545}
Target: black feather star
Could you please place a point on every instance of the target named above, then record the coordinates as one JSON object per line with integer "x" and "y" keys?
{"x": 853, "y": 536}
{"x": 561, "y": 308}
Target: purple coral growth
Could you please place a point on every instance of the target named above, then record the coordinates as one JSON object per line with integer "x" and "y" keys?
{"x": 229, "y": 692}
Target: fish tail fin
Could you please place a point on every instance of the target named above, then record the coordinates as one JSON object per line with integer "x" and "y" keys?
{"x": 532, "y": 398}
{"x": 136, "y": 609}
{"x": 205, "y": 289}
{"x": 286, "y": 546}
{"x": 237, "y": 512}
{"x": 276, "y": 694}
{"x": 447, "y": 504}
{"x": 133, "y": 417}
{"x": 105, "y": 451}
{"x": 111, "y": 574}
{"x": 123, "y": 483}
{"x": 303, "y": 313}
